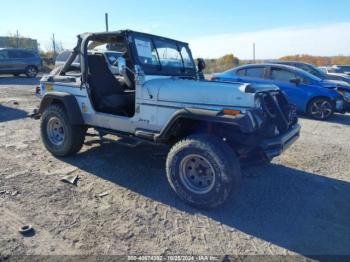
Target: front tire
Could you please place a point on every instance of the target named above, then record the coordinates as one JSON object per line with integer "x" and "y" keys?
{"x": 31, "y": 71}
{"x": 320, "y": 108}
{"x": 203, "y": 170}
{"x": 59, "y": 136}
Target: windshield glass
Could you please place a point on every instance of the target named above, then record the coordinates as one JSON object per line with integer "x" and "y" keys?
{"x": 344, "y": 69}
{"x": 112, "y": 57}
{"x": 167, "y": 56}
{"x": 312, "y": 70}
{"x": 308, "y": 75}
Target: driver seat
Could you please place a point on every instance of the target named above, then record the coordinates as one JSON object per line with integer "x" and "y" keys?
{"x": 107, "y": 92}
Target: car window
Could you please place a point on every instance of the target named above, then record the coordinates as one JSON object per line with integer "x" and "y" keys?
{"x": 344, "y": 69}
{"x": 240, "y": 72}
{"x": 255, "y": 72}
{"x": 112, "y": 57}
{"x": 279, "y": 74}
{"x": 324, "y": 70}
{"x": 13, "y": 54}
{"x": 330, "y": 70}
{"x": 312, "y": 70}
{"x": 62, "y": 57}
{"x": 168, "y": 54}
{"x": 3, "y": 54}
{"x": 27, "y": 54}
{"x": 163, "y": 52}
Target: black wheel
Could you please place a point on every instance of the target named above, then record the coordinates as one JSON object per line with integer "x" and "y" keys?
{"x": 203, "y": 170}
{"x": 59, "y": 136}
{"x": 16, "y": 75}
{"x": 31, "y": 71}
{"x": 320, "y": 108}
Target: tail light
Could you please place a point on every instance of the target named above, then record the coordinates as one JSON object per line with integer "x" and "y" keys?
{"x": 37, "y": 90}
{"x": 212, "y": 78}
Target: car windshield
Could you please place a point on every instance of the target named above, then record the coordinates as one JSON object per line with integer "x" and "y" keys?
{"x": 162, "y": 52}
{"x": 112, "y": 57}
{"x": 314, "y": 71}
{"x": 344, "y": 69}
{"x": 308, "y": 75}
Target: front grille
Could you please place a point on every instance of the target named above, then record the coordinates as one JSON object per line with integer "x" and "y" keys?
{"x": 278, "y": 110}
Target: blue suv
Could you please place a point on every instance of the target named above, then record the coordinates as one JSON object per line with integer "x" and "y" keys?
{"x": 18, "y": 61}
{"x": 316, "y": 97}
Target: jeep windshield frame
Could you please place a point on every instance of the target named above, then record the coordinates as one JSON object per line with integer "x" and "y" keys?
{"x": 127, "y": 37}
{"x": 162, "y": 56}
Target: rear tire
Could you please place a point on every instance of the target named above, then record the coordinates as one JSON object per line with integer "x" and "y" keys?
{"x": 203, "y": 170}
{"x": 59, "y": 136}
{"x": 31, "y": 71}
{"x": 320, "y": 108}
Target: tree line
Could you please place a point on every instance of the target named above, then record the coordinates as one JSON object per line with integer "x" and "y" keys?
{"x": 319, "y": 60}
{"x": 229, "y": 61}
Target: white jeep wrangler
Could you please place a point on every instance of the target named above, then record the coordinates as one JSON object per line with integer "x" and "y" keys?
{"x": 161, "y": 98}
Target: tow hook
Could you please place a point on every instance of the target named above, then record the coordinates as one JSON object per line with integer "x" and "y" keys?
{"x": 35, "y": 114}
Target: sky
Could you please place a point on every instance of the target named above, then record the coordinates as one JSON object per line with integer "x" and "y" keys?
{"x": 212, "y": 28}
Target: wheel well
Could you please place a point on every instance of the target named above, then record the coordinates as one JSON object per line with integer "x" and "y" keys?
{"x": 185, "y": 127}
{"x": 69, "y": 104}
{"x": 51, "y": 101}
{"x": 318, "y": 97}
{"x": 37, "y": 69}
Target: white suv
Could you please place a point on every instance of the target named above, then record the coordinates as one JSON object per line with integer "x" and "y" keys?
{"x": 161, "y": 98}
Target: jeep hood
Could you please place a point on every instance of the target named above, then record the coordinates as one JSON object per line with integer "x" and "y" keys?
{"x": 199, "y": 92}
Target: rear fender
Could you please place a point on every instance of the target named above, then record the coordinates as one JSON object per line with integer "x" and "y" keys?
{"x": 68, "y": 101}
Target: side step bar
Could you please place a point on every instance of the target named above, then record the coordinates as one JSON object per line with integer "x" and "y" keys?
{"x": 141, "y": 137}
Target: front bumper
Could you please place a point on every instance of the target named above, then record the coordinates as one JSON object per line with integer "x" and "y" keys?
{"x": 273, "y": 147}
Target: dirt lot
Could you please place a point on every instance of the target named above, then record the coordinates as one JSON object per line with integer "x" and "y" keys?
{"x": 298, "y": 204}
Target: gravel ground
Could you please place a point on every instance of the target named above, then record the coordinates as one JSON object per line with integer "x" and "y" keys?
{"x": 299, "y": 204}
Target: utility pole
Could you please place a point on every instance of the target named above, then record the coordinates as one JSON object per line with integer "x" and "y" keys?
{"x": 106, "y": 20}
{"x": 254, "y": 52}
{"x": 54, "y": 46}
{"x": 17, "y": 40}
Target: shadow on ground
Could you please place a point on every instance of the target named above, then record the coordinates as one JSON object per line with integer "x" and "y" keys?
{"x": 18, "y": 80}
{"x": 300, "y": 211}
{"x": 340, "y": 119}
{"x": 336, "y": 119}
{"x": 9, "y": 113}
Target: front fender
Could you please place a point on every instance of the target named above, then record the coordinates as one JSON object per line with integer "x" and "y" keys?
{"x": 244, "y": 121}
{"x": 68, "y": 101}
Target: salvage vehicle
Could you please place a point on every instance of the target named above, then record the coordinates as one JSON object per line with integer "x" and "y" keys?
{"x": 211, "y": 127}
{"x": 323, "y": 73}
{"x": 334, "y": 73}
{"x": 317, "y": 98}
{"x": 345, "y": 69}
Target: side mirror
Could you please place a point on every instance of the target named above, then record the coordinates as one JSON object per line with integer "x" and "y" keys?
{"x": 121, "y": 65}
{"x": 295, "y": 81}
{"x": 200, "y": 64}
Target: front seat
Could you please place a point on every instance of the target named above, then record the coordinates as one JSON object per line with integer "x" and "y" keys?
{"x": 107, "y": 92}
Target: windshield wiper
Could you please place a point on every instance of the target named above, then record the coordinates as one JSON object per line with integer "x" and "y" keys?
{"x": 155, "y": 47}
{"x": 182, "y": 59}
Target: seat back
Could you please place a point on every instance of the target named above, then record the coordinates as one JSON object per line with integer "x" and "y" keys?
{"x": 101, "y": 80}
